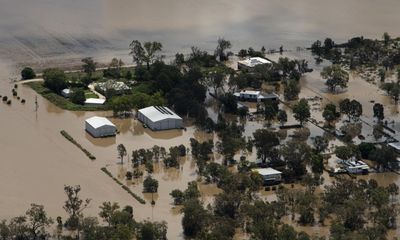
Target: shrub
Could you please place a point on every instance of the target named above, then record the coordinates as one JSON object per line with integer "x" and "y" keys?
{"x": 23, "y": 101}
{"x": 267, "y": 189}
{"x": 5, "y": 98}
{"x": 77, "y": 96}
{"x": 27, "y": 73}
{"x": 9, "y": 102}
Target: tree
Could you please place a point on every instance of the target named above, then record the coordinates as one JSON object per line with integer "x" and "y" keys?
{"x": 77, "y": 96}
{"x": 121, "y": 152}
{"x": 107, "y": 212}
{"x": 382, "y": 74}
{"x": 320, "y": 144}
{"x": 122, "y": 104}
{"x": 301, "y": 111}
{"x": 353, "y": 109}
{"x": 55, "y": 79}
{"x": 74, "y": 206}
{"x": 270, "y": 110}
{"x": 147, "y": 53}
{"x": 89, "y": 66}
{"x": 316, "y": 48}
{"x": 222, "y": 46}
{"x": 291, "y": 89}
{"x": 295, "y": 155}
{"x": 152, "y": 231}
{"x": 393, "y": 90}
{"x": 328, "y": 44}
{"x": 282, "y": 117}
{"x": 330, "y": 114}
{"x": 386, "y": 38}
{"x": 346, "y": 152}
{"x": 265, "y": 141}
{"x": 379, "y": 111}
{"x": 38, "y": 222}
{"x": 194, "y": 218}
{"x": 27, "y": 73}
{"x": 335, "y": 77}
{"x": 150, "y": 185}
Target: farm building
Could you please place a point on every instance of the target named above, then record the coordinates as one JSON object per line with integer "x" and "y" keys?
{"x": 395, "y": 146}
{"x": 159, "y": 118}
{"x": 255, "y": 96}
{"x": 250, "y": 63}
{"x": 100, "y": 127}
{"x": 270, "y": 175}
{"x": 95, "y": 101}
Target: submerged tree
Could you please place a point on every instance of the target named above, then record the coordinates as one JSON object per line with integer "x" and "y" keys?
{"x": 74, "y": 206}
{"x": 335, "y": 77}
{"x": 301, "y": 111}
{"x": 265, "y": 141}
{"x": 222, "y": 46}
{"x": 121, "y": 152}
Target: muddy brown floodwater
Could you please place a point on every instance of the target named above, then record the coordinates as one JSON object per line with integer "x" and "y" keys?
{"x": 36, "y": 161}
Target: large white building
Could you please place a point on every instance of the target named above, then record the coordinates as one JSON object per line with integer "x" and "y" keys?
{"x": 250, "y": 63}
{"x": 100, "y": 127}
{"x": 159, "y": 118}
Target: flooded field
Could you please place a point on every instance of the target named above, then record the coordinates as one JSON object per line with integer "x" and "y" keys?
{"x": 36, "y": 161}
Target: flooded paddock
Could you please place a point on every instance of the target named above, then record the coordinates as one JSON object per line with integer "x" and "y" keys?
{"x": 36, "y": 161}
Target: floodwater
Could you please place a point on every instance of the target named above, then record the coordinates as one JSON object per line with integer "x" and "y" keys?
{"x": 36, "y": 161}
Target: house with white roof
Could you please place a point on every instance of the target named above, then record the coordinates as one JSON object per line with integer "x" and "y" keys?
{"x": 255, "y": 96}
{"x": 250, "y": 63}
{"x": 100, "y": 127}
{"x": 270, "y": 175}
{"x": 159, "y": 118}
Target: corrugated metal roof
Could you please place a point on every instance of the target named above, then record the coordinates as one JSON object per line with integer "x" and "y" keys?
{"x": 98, "y": 101}
{"x": 254, "y": 61}
{"x": 267, "y": 171}
{"x": 97, "y": 122}
{"x": 157, "y": 113}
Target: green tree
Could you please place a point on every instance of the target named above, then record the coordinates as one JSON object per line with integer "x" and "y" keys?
{"x": 386, "y": 38}
{"x": 147, "y": 53}
{"x": 194, "y": 218}
{"x": 89, "y": 66}
{"x": 121, "y": 152}
{"x": 74, "y": 206}
{"x": 379, "y": 111}
{"x": 152, "y": 231}
{"x": 107, "y": 212}
{"x": 77, "y": 96}
{"x": 335, "y": 77}
{"x": 320, "y": 144}
{"x": 122, "y": 104}
{"x": 301, "y": 111}
{"x": 150, "y": 185}
{"x": 265, "y": 141}
{"x": 38, "y": 221}
{"x": 282, "y": 117}
{"x": 27, "y": 73}
{"x": 330, "y": 114}
{"x": 55, "y": 79}
{"x": 222, "y": 46}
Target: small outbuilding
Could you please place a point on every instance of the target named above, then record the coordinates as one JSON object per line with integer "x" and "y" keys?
{"x": 270, "y": 175}
{"x": 159, "y": 118}
{"x": 100, "y": 127}
{"x": 66, "y": 92}
{"x": 95, "y": 101}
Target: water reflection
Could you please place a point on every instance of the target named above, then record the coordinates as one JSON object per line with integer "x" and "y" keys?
{"x": 101, "y": 142}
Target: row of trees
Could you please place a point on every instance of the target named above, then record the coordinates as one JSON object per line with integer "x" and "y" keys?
{"x": 118, "y": 223}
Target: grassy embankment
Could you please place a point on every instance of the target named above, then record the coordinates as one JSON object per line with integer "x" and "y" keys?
{"x": 72, "y": 140}
{"x": 139, "y": 199}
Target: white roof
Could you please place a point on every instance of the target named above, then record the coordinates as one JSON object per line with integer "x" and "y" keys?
{"x": 157, "y": 113}
{"x": 98, "y": 101}
{"x": 66, "y": 90}
{"x": 267, "y": 171}
{"x": 395, "y": 145}
{"x": 97, "y": 122}
{"x": 254, "y": 61}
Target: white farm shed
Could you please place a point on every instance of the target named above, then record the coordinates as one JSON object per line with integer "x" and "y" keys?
{"x": 270, "y": 175}
{"x": 159, "y": 118}
{"x": 100, "y": 127}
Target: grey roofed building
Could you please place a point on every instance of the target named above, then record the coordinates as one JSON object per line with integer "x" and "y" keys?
{"x": 100, "y": 127}
{"x": 269, "y": 174}
{"x": 159, "y": 118}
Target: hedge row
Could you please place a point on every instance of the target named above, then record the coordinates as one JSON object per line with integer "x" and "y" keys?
{"x": 72, "y": 140}
{"x": 135, "y": 196}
